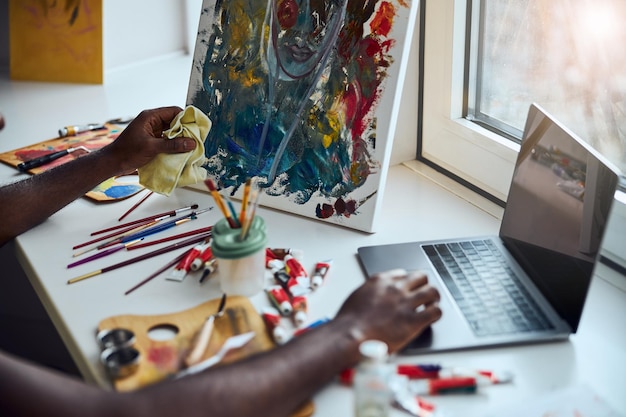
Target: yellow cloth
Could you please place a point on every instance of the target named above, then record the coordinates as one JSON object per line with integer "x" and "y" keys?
{"x": 168, "y": 171}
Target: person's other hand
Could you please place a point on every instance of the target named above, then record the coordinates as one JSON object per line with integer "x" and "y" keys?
{"x": 393, "y": 306}
{"x": 142, "y": 140}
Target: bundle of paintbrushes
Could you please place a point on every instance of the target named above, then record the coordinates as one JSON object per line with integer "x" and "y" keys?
{"x": 249, "y": 204}
{"x": 131, "y": 235}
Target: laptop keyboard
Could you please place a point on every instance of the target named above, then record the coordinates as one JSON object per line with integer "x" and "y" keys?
{"x": 486, "y": 289}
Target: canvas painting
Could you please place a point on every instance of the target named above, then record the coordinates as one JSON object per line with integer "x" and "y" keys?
{"x": 303, "y": 96}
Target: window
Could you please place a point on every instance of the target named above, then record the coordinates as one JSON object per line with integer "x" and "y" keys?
{"x": 485, "y": 61}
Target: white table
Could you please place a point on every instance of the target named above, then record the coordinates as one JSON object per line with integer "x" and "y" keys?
{"x": 415, "y": 208}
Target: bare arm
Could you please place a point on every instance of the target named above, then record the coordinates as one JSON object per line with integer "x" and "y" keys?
{"x": 273, "y": 383}
{"x": 36, "y": 198}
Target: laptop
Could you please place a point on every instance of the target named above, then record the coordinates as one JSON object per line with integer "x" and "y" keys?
{"x": 529, "y": 283}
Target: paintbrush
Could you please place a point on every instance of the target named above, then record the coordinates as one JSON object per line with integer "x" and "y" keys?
{"x": 46, "y": 159}
{"x": 171, "y": 213}
{"x": 104, "y": 253}
{"x": 137, "y": 204}
{"x": 112, "y": 238}
{"x": 201, "y": 231}
{"x": 160, "y": 270}
{"x": 220, "y": 202}
{"x": 131, "y": 261}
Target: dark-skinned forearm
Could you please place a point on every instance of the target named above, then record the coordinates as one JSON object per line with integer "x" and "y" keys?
{"x": 28, "y": 202}
{"x": 273, "y": 383}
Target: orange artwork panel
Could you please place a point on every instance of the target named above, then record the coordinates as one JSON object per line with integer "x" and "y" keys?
{"x": 56, "y": 40}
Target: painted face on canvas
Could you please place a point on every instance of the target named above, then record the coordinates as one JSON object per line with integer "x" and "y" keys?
{"x": 302, "y": 30}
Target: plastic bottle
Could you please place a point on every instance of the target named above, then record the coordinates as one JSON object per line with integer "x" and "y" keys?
{"x": 372, "y": 394}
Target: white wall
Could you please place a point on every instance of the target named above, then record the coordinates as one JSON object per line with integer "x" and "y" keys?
{"x": 140, "y": 30}
{"x": 134, "y": 31}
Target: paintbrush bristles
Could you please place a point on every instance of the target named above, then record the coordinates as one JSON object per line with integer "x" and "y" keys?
{"x": 248, "y": 207}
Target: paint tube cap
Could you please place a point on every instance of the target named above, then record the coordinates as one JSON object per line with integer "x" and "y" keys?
{"x": 298, "y": 254}
{"x": 285, "y": 307}
{"x": 197, "y": 264}
{"x": 300, "y": 318}
{"x": 275, "y": 264}
{"x": 317, "y": 281}
{"x": 280, "y": 335}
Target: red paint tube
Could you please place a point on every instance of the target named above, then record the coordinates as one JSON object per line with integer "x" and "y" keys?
{"x": 439, "y": 386}
{"x": 435, "y": 371}
{"x": 296, "y": 288}
{"x": 280, "y": 253}
{"x": 319, "y": 276}
{"x": 294, "y": 268}
{"x": 271, "y": 317}
{"x": 271, "y": 261}
{"x": 424, "y": 371}
{"x": 203, "y": 258}
{"x": 179, "y": 273}
{"x": 279, "y": 299}
{"x": 300, "y": 310}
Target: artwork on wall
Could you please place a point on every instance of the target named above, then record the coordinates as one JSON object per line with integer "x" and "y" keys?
{"x": 56, "y": 41}
{"x": 304, "y": 97}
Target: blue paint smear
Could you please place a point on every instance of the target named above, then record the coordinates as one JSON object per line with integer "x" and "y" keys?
{"x": 122, "y": 191}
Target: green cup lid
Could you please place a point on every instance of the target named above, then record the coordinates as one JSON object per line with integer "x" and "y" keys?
{"x": 227, "y": 242}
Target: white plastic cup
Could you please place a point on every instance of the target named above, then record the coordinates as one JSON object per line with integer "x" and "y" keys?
{"x": 241, "y": 269}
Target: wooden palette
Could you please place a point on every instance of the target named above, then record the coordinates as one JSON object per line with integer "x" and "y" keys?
{"x": 162, "y": 358}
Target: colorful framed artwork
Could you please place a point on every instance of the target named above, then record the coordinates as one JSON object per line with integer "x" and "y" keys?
{"x": 304, "y": 97}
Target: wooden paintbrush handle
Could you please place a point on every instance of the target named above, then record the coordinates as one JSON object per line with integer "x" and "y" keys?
{"x": 200, "y": 343}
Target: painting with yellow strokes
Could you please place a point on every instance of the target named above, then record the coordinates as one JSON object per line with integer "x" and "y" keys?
{"x": 304, "y": 98}
{"x": 56, "y": 40}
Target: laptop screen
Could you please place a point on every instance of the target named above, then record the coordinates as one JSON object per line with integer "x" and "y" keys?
{"x": 557, "y": 209}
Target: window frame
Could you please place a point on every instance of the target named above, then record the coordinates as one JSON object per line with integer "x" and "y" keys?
{"x": 481, "y": 159}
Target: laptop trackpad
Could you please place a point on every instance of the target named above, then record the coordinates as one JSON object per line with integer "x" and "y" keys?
{"x": 449, "y": 332}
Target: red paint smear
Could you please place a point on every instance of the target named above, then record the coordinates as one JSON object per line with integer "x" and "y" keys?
{"x": 163, "y": 357}
{"x": 383, "y": 21}
{"x": 340, "y": 208}
{"x": 351, "y": 100}
{"x": 324, "y": 211}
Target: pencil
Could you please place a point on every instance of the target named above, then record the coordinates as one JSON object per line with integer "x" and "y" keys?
{"x": 220, "y": 202}
{"x": 130, "y": 210}
{"x": 190, "y": 241}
